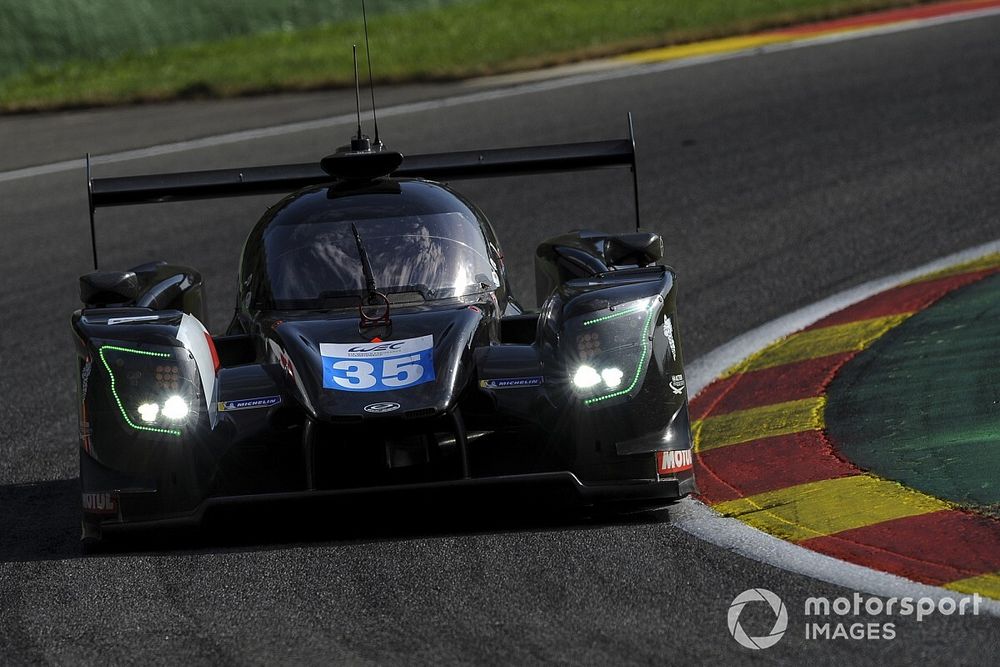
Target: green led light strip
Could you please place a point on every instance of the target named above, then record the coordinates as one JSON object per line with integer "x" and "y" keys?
{"x": 114, "y": 391}
{"x": 612, "y": 316}
{"x": 638, "y": 369}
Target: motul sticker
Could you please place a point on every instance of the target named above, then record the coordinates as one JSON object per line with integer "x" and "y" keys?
{"x": 673, "y": 461}
{"x": 383, "y": 365}
{"x": 99, "y": 503}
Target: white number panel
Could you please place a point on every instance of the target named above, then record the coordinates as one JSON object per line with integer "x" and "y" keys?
{"x": 378, "y": 366}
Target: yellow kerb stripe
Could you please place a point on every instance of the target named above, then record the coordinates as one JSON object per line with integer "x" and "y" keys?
{"x": 829, "y": 506}
{"x": 725, "y": 45}
{"x": 703, "y": 48}
{"x": 987, "y": 262}
{"x": 822, "y": 342}
{"x": 744, "y": 425}
{"x": 984, "y": 584}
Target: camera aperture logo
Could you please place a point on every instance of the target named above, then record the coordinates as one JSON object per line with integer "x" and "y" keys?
{"x": 780, "y": 620}
{"x": 845, "y": 618}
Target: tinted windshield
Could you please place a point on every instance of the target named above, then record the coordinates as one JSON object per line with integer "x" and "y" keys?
{"x": 432, "y": 256}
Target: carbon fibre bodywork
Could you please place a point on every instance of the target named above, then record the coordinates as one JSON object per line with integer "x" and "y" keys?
{"x": 455, "y": 392}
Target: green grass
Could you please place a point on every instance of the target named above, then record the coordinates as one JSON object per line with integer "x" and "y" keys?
{"x": 50, "y": 32}
{"x": 457, "y": 40}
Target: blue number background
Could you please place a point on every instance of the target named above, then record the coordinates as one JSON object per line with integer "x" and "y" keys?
{"x": 426, "y": 361}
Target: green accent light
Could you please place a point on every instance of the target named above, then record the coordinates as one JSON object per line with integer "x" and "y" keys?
{"x": 605, "y": 318}
{"x": 114, "y": 390}
{"x": 642, "y": 360}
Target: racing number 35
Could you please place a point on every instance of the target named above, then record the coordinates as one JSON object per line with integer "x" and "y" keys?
{"x": 381, "y": 366}
{"x": 396, "y": 372}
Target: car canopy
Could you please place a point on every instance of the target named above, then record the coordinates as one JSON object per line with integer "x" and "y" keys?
{"x": 422, "y": 242}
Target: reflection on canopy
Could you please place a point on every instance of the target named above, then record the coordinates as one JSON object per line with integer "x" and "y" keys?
{"x": 438, "y": 255}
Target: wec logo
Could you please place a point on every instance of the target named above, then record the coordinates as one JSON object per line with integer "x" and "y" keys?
{"x": 380, "y": 347}
{"x": 780, "y": 621}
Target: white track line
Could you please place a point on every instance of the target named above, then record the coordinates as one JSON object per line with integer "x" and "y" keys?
{"x": 603, "y": 74}
{"x": 706, "y": 524}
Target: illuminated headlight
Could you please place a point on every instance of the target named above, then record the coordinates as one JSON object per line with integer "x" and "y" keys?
{"x": 148, "y": 412}
{"x": 610, "y": 349}
{"x": 612, "y": 377}
{"x": 175, "y": 408}
{"x": 156, "y": 390}
{"x": 586, "y": 377}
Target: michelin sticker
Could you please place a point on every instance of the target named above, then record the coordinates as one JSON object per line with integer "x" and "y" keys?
{"x": 511, "y": 383}
{"x": 378, "y": 366}
{"x": 249, "y": 403}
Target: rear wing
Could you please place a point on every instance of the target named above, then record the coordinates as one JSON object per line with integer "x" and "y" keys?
{"x": 183, "y": 186}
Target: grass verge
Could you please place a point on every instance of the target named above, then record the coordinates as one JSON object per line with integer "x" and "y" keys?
{"x": 50, "y": 32}
{"x": 451, "y": 42}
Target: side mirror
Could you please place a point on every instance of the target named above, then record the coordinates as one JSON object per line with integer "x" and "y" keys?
{"x": 156, "y": 285}
{"x": 104, "y": 288}
{"x": 639, "y": 249}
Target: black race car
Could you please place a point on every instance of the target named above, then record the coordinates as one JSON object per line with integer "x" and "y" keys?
{"x": 376, "y": 352}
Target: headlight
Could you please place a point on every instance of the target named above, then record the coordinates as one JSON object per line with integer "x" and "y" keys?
{"x": 149, "y": 412}
{"x": 612, "y": 377}
{"x": 155, "y": 390}
{"x": 611, "y": 349}
{"x": 175, "y": 408}
{"x": 586, "y": 377}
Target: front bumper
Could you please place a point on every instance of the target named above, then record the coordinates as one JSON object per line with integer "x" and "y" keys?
{"x": 548, "y": 489}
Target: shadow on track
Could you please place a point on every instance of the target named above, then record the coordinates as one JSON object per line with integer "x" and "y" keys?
{"x": 41, "y": 521}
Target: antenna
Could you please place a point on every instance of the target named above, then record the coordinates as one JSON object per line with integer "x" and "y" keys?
{"x": 357, "y": 89}
{"x": 635, "y": 171}
{"x": 371, "y": 82}
{"x": 360, "y": 143}
{"x": 90, "y": 205}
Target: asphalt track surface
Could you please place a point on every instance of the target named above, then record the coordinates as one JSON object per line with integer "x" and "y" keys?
{"x": 777, "y": 180}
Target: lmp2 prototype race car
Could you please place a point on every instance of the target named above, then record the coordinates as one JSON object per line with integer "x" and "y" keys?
{"x": 376, "y": 351}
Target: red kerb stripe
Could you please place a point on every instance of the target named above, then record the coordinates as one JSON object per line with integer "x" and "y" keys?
{"x": 932, "y": 548}
{"x": 768, "y": 464}
{"x": 902, "y": 299}
{"x": 891, "y": 16}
